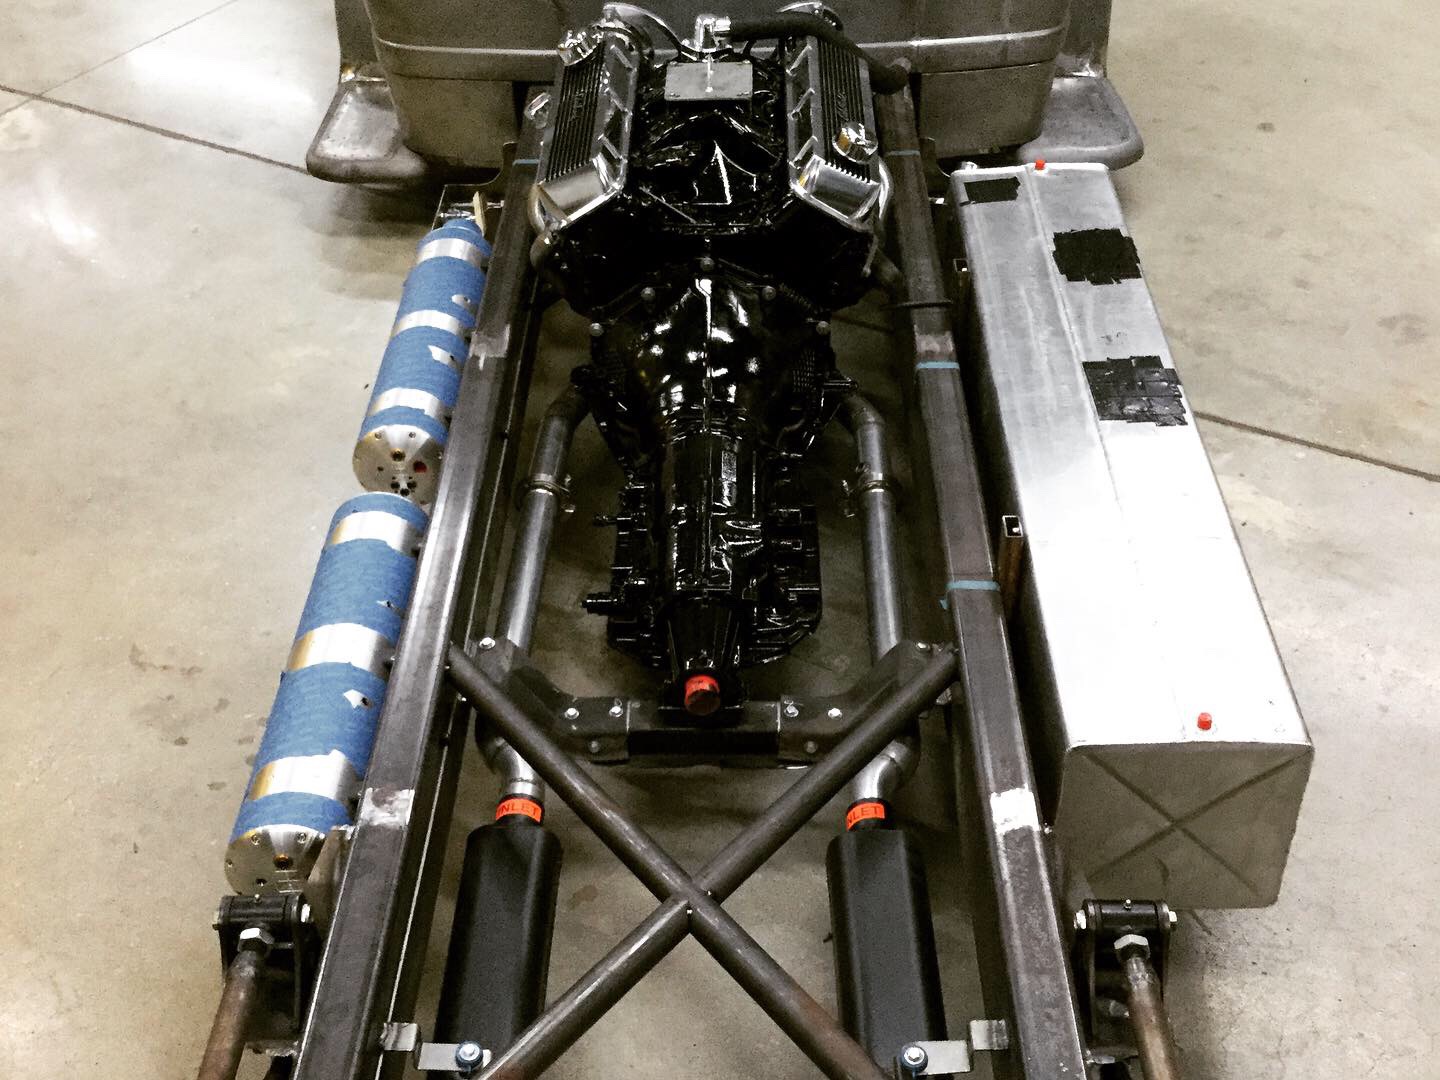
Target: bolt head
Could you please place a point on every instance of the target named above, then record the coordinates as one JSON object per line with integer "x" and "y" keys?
{"x": 572, "y": 713}
{"x": 255, "y": 939}
{"x": 834, "y": 713}
{"x": 811, "y": 746}
{"x": 487, "y": 643}
{"x": 468, "y": 1054}
{"x": 594, "y": 746}
{"x": 617, "y": 711}
{"x": 791, "y": 711}
{"x": 914, "y": 1057}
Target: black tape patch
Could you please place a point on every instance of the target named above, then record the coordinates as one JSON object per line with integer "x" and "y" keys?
{"x": 1136, "y": 389}
{"x": 998, "y": 189}
{"x": 1099, "y": 256}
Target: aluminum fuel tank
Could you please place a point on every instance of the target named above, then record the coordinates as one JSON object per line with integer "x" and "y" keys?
{"x": 1170, "y": 750}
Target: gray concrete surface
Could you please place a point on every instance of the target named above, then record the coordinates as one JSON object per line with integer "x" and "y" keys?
{"x": 188, "y": 324}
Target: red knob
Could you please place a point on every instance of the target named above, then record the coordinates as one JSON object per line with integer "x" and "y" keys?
{"x": 702, "y": 695}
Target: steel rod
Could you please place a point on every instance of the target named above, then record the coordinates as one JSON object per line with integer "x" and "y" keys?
{"x": 808, "y": 1024}
{"x": 803, "y": 799}
{"x": 1148, "y": 1017}
{"x": 578, "y": 1009}
{"x": 646, "y": 859}
{"x": 1000, "y": 808}
{"x": 226, "y": 1044}
{"x": 814, "y": 1030}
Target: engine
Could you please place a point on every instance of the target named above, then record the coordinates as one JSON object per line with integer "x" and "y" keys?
{"x": 707, "y": 205}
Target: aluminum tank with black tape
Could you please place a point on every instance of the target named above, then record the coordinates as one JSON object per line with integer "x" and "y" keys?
{"x": 1170, "y": 752}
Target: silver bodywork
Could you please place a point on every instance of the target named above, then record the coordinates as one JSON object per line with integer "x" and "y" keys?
{"x": 1159, "y": 709}
{"x": 434, "y": 82}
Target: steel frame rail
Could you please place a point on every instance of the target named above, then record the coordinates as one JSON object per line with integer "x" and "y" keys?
{"x": 1023, "y": 947}
{"x": 371, "y": 964}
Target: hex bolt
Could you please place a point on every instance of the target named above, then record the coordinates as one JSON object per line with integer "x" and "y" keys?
{"x": 823, "y": 329}
{"x": 648, "y": 294}
{"x": 768, "y": 293}
{"x": 1128, "y": 942}
{"x": 617, "y": 710}
{"x": 811, "y": 747}
{"x": 790, "y": 710}
{"x": 914, "y": 1057}
{"x": 469, "y": 1056}
{"x": 255, "y": 939}
{"x": 487, "y": 643}
{"x": 572, "y": 713}
{"x": 594, "y": 746}
{"x": 834, "y": 713}
{"x": 596, "y": 329}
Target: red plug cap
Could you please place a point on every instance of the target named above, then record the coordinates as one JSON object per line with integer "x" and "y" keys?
{"x": 702, "y": 695}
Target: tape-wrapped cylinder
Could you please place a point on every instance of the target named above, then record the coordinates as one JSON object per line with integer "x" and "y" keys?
{"x": 322, "y": 724}
{"x": 403, "y": 437}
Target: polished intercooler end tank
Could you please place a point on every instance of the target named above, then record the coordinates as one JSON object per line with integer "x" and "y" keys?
{"x": 402, "y": 439}
{"x": 322, "y": 724}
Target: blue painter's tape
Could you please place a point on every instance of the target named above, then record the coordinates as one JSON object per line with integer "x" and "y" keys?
{"x": 320, "y": 709}
{"x": 385, "y": 502}
{"x": 967, "y": 585}
{"x": 313, "y": 812}
{"x": 454, "y": 345}
{"x": 408, "y": 364}
{"x": 365, "y": 582}
{"x": 401, "y": 417}
{"x": 937, "y": 365}
{"x": 458, "y": 229}
{"x": 433, "y": 283}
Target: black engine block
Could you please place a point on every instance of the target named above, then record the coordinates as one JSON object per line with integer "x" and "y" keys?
{"x": 707, "y": 211}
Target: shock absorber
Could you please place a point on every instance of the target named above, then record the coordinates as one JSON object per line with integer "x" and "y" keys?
{"x": 402, "y": 438}
{"x": 321, "y": 727}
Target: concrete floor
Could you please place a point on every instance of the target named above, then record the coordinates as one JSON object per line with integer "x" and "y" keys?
{"x": 189, "y": 323}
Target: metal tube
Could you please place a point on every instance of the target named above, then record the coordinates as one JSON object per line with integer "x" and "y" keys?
{"x": 798, "y": 1014}
{"x": 813, "y": 1029}
{"x": 540, "y": 504}
{"x": 544, "y": 493}
{"x": 1024, "y": 946}
{"x": 1148, "y": 1017}
{"x": 226, "y": 1044}
{"x": 767, "y": 833}
{"x": 875, "y": 494}
{"x": 578, "y": 1009}
{"x": 645, "y": 858}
